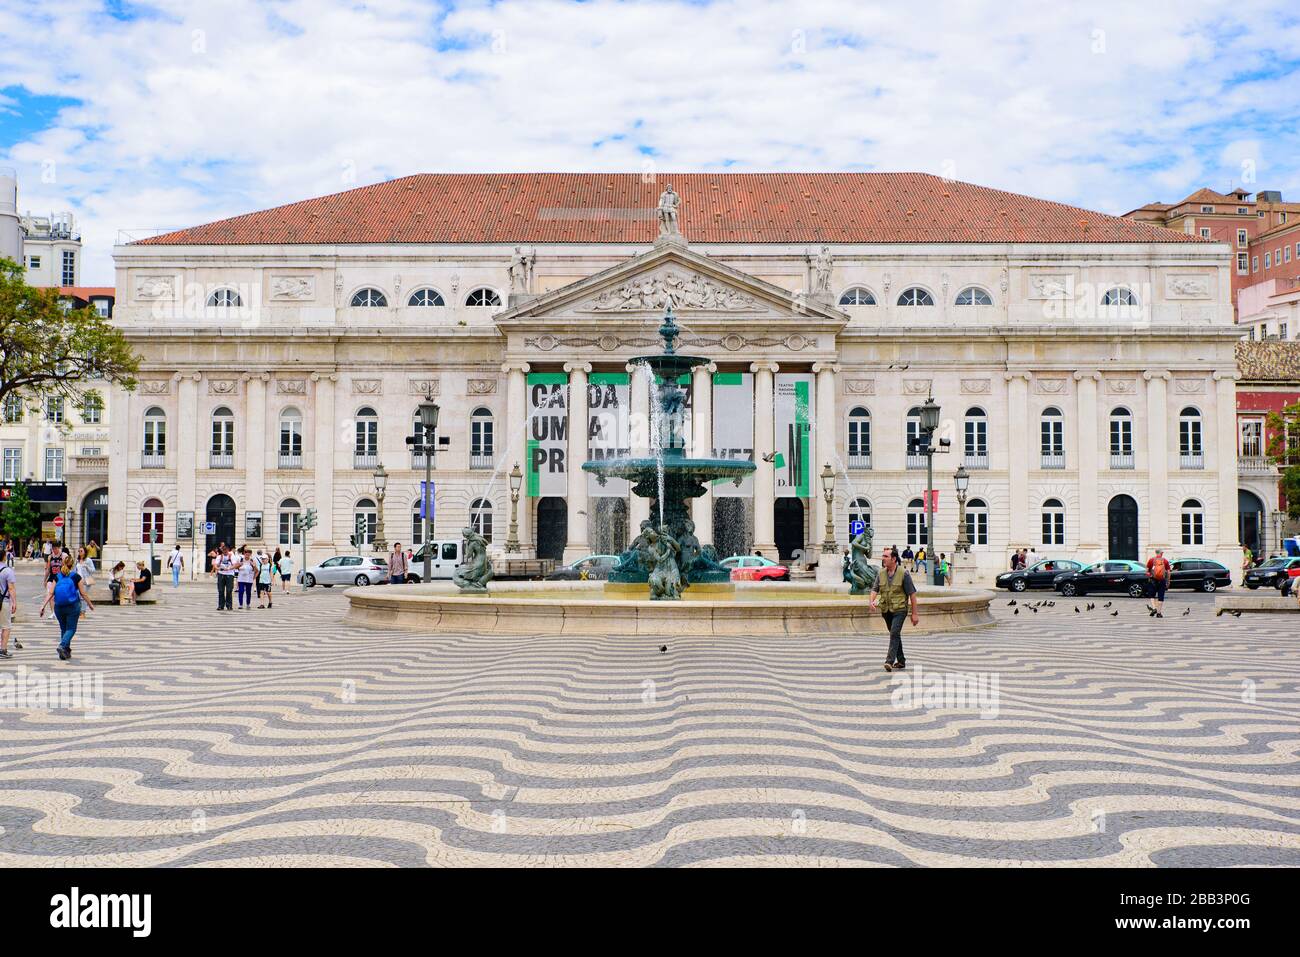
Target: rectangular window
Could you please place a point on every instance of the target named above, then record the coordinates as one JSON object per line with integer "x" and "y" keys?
{"x": 977, "y": 527}
{"x": 1054, "y": 528}
{"x": 859, "y": 436}
{"x": 34, "y": 262}
{"x": 69, "y": 268}
{"x": 977, "y": 437}
{"x": 1268, "y": 260}
{"x": 223, "y": 436}
{"x": 13, "y": 409}
{"x": 1052, "y": 436}
{"x": 1254, "y": 264}
{"x": 1205, "y": 232}
{"x": 54, "y": 408}
{"x": 92, "y": 409}
{"x": 1252, "y": 438}
{"x": 291, "y": 437}
{"x": 1281, "y": 330}
{"x": 916, "y": 528}
{"x": 13, "y": 465}
{"x": 1121, "y": 436}
{"x": 1189, "y": 437}
{"x": 91, "y": 450}
{"x": 54, "y": 465}
{"x": 1243, "y": 263}
{"x": 290, "y": 527}
{"x": 1207, "y": 209}
{"x": 367, "y": 437}
{"x": 1193, "y": 528}
{"x": 480, "y": 437}
{"x": 1242, "y": 238}
{"x": 101, "y": 307}
{"x": 155, "y": 437}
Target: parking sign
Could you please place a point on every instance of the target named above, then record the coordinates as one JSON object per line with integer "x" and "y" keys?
{"x": 857, "y": 528}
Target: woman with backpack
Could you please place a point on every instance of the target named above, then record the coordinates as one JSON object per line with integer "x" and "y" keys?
{"x": 66, "y": 591}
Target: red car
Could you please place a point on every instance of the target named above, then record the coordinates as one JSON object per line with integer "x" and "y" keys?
{"x": 755, "y": 568}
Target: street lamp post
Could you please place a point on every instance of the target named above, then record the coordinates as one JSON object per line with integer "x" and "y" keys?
{"x": 929, "y": 423}
{"x": 516, "y": 481}
{"x": 381, "y": 488}
{"x": 424, "y": 442}
{"x": 828, "y": 491}
{"x": 962, "y": 480}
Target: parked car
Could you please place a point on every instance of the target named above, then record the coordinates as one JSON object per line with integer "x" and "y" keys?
{"x": 1273, "y": 572}
{"x": 1040, "y": 574}
{"x": 755, "y": 568}
{"x": 587, "y": 568}
{"x": 1108, "y": 576}
{"x": 347, "y": 570}
{"x": 1203, "y": 574}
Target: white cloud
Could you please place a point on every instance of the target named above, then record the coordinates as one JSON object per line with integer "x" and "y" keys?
{"x": 201, "y": 110}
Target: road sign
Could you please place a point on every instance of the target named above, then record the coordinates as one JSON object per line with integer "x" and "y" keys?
{"x": 58, "y": 521}
{"x": 209, "y": 528}
{"x": 856, "y": 528}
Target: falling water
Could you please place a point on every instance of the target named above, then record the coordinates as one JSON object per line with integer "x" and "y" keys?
{"x": 485, "y": 496}
{"x": 655, "y": 429}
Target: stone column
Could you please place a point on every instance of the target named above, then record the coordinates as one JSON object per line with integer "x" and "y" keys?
{"x": 576, "y": 500}
{"x": 702, "y": 445}
{"x": 517, "y": 430}
{"x": 764, "y": 445}
{"x": 639, "y": 388}
{"x": 825, "y": 450}
{"x": 255, "y": 441}
{"x": 1018, "y": 459}
{"x": 187, "y": 403}
{"x": 326, "y": 442}
{"x": 1225, "y": 460}
{"x": 1089, "y": 545}
{"x": 1157, "y": 459}
{"x": 126, "y": 416}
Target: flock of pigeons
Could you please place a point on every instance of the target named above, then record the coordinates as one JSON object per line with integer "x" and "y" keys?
{"x": 1088, "y": 606}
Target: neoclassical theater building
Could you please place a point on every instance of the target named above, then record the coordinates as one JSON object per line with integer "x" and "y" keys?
{"x": 1083, "y": 364}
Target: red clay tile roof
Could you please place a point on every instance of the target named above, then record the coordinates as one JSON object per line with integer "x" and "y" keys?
{"x": 86, "y": 292}
{"x": 716, "y": 208}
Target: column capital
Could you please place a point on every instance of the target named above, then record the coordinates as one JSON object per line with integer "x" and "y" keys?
{"x": 1092, "y": 374}
{"x": 517, "y": 366}
{"x": 1230, "y": 375}
{"x": 831, "y": 367}
{"x": 583, "y": 367}
{"x": 707, "y": 368}
{"x": 1162, "y": 374}
{"x": 764, "y": 367}
{"x": 1020, "y": 374}
{"x": 324, "y": 377}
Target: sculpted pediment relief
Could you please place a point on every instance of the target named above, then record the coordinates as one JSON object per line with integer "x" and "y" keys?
{"x": 686, "y": 290}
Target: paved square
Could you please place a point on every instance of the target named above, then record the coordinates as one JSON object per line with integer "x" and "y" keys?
{"x": 284, "y": 737}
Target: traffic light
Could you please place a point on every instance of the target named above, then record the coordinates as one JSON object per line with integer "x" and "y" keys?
{"x": 308, "y": 521}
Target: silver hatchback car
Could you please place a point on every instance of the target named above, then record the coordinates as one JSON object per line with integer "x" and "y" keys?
{"x": 347, "y": 570}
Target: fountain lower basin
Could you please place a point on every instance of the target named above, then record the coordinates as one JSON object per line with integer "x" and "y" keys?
{"x": 754, "y": 609}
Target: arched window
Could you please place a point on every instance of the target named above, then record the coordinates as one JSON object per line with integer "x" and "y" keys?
{"x": 916, "y": 296}
{"x": 1053, "y": 522}
{"x": 417, "y": 523}
{"x": 151, "y": 522}
{"x": 1119, "y": 296}
{"x": 1121, "y": 439}
{"x": 1193, "y": 523}
{"x": 859, "y": 511}
{"x": 977, "y": 521}
{"x": 365, "y": 520}
{"x": 290, "y": 439}
{"x": 290, "y": 520}
{"x": 154, "y": 450}
{"x": 480, "y": 517}
{"x": 912, "y": 433}
{"x": 973, "y": 296}
{"x": 223, "y": 439}
{"x": 426, "y": 297}
{"x": 1191, "y": 452}
{"x": 916, "y": 522}
{"x": 1051, "y": 438}
{"x": 224, "y": 298}
{"x": 480, "y": 439}
{"x": 857, "y": 296}
{"x": 365, "y": 451}
{"x": 976, "y": 439}
{"x": 483, "y": 297}
{"x": 860, "y": 438}
{"x": 369, "y": 298}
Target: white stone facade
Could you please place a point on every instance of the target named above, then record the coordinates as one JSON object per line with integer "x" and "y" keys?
{"x": 1045, "y": 341}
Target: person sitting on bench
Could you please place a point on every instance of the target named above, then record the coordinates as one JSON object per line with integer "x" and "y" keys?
{"x": 137, "y": 586}
{"x": 115, "y": 583}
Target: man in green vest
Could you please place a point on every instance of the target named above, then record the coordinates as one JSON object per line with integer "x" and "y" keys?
{"x": 896, "y": 595}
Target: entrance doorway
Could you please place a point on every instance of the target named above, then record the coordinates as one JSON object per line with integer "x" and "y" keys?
{"x": 1250, "y": 522}
{"x": 94, "y": 517}
{"x": 552, "y": 527}
{"x": 220, "y": 511}
{"x": 788, "y": 521}
{"x": 1122, "y": 522}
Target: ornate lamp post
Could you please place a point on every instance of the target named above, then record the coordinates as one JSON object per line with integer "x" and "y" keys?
{"x": 423, "y": 443}
{"x": 929, "y": 423}
{"x": 516, "y": 482}
{"x": 962, "y": 480}
{"x": 828, "y": 491}
{"x": 381, "y": 489}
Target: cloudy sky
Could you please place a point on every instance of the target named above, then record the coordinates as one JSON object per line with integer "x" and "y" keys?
{"x": 149, "y": 115}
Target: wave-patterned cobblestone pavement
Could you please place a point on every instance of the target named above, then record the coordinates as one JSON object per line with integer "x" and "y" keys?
{"x": 285, "y": 737}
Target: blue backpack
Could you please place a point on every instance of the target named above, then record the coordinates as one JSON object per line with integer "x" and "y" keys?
{"x": 65, "y": 590}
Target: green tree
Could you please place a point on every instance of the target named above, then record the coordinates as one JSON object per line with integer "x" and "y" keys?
{"x": 21, "y": 520}
{"x": 1284, "y": 450}
{"x": 48, "y": 349}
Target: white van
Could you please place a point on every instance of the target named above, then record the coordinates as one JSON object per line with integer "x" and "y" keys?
{"x": 444, "y": 558}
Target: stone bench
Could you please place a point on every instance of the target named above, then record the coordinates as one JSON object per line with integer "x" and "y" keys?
{"x": 1270, "y": 601}
{"x": 103, "y": 596}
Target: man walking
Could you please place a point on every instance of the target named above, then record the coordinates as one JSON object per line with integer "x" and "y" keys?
{"x": 896, "y": 595}
{"x": 1158, "y": 577}
{"x": 8, "y": 606}
{"x": 397, "y": 565}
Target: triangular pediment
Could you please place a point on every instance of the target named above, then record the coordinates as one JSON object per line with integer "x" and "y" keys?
{"x": 697, "y": 286}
